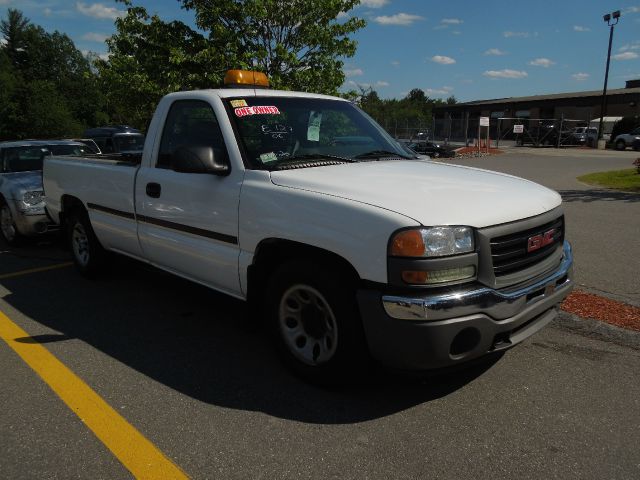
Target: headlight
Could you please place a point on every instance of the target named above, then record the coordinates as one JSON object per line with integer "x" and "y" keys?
{"x": 432, "y": 242}
{"x": 33, "y": 198}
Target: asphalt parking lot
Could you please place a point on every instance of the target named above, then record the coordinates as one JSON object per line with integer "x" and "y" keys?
{"x": 192, "y": 373}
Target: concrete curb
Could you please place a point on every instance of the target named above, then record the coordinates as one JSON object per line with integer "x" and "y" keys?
{"x": 598, "y": 330}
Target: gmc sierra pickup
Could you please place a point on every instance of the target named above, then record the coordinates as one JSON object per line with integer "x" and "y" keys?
{"x": 354, "y": 247}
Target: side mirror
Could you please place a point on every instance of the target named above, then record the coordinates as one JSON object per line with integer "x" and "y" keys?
{"x": 200, "y": 159}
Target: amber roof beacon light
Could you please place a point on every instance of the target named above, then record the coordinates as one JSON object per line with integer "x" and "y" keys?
{"x": 245, "y": 78}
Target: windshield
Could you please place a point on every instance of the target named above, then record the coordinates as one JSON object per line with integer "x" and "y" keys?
{"x": 129, "y": 141}
{"x": 23, "y": 159}
{"x": 277, "y": 130}
{"x": 69, "y": 149}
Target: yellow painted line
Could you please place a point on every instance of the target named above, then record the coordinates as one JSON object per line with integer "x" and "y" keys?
{"x": 35, "y": 270}
{"x": 143, "y": 459}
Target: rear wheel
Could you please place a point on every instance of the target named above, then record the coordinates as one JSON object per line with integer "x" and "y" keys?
{"x": 88, "y": 254}
{"x": 621, "y": 145}
{"x": 315, "y": 322}
{"x": 8, "y": 227}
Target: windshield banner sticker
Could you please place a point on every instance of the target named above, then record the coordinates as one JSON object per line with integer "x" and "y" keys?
{"x": 257, "y": 110}
{"x": 238, "y": 103}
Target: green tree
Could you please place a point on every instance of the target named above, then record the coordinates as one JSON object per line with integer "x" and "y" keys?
{"x": 14, "y": 33}
{"x": 149, "y": 58}
{"x": 299, "y": 44}
{"x": 47, "y": 87}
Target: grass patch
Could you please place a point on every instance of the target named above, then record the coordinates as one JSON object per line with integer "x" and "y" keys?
{"x": 626, "y": 180}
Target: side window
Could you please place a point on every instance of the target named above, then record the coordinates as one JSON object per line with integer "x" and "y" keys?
{"x": 189, "y": 123}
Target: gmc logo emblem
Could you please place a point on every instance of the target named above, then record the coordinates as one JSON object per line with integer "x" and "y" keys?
{"x": 538, "y": 241}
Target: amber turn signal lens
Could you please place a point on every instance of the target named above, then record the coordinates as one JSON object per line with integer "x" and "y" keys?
{"x": 408, "y": 243}
{"x": 246, "y": 77}
{"x": 414, "y": 277}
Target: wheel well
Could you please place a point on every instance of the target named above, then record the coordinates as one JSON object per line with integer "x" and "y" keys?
{"x": 69, "y": 203}
{"x": 273, "y": 252}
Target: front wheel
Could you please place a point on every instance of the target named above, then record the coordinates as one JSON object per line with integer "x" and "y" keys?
{"x": 621, "y": 145}
{"x": 88, "y": 254}
{"x": 315, "y": 322}
{"x": 8, "y": 227}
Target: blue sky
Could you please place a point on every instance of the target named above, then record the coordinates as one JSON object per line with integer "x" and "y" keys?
{"x": 473, "y": 50}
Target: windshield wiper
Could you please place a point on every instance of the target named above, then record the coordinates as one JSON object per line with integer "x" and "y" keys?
{"x": 380, "y": 154}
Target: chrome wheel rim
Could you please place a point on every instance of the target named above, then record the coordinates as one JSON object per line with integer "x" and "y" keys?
{"x": 80, "y": 244}
{"x": 308, "y": 325}
{"x": 6, "y": 223}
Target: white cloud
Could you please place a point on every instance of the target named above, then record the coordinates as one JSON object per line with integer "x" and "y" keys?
{"x": 402, "y": 19}
{"x": 542, "y": 62}
{"x": 456, "y": 32}
{"x": 342, "y": 15}
{"x": 580, "y": 77}
{"x": 374, "y": 3}
{"x": 630, "y": 46}
{"x": 395, "y": 63}
{"x": 98, "y": 10}
{"x": 439, "y": 91}
{"x": 102, "y": 56}
{"x": 442, "y": 60}
{"x": 625, "y": 56}
{"x": 510, "y": 34}
{"x": 353, "y": 72}
{"x": 452, "y": 21}
{"x": 632, "y": 10}
{"x": 382, "y": 83}
{"x": 47, "y": 12}
{"x": 495, "y": 51}
{"x": 94, "y": 37}
{"x": 580, "y": 28}
{"x": 357, "y": 84}
{"x": 506, "y": 73}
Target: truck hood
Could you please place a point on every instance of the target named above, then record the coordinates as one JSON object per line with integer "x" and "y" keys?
{"x": 430, "y": 193}
{"x": 19, "y": 182}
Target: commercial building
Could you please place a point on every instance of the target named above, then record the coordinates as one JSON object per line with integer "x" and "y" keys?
{"x": 460, "y": 121}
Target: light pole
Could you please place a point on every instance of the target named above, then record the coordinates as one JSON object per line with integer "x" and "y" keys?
{"x": 612, "y": 20}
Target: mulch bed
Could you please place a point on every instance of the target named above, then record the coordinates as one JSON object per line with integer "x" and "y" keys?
{"x": 589, "y": 305}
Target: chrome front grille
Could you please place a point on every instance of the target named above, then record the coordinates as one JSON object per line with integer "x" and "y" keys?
{"x": 514, "y": 252}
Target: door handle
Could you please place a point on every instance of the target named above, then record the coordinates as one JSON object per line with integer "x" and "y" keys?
{"x": 153, "y": 190}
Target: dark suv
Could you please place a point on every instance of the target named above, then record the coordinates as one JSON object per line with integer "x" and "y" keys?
{"x": 116, "y": 139}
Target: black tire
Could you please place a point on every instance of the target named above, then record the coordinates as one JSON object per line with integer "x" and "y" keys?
{"x": 315, "y": 323}
{"x": 621, "y": 145}
{"x": 8, "y": 228}
{"x": 88, "y": 254}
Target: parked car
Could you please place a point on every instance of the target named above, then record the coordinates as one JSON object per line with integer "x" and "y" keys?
{"x": 21, "y": 197}
{"x": 625, "y": 140}
{"x": 585, "y": 136}
{"x": 89, "y": 142}
{"x": 353, "y": 247}
{"x": 116, "y": 138}
{"x": 434, "y": 150}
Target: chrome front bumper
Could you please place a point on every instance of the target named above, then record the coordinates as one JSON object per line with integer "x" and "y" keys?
{"x": 432, "y": 331}
{"x": 497, "y": 304}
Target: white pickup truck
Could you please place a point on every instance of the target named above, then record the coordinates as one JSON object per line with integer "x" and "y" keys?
{"x": 353, "y": 247}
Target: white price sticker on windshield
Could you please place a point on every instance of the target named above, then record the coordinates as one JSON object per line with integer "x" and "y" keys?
{"x": 313, "y": 128}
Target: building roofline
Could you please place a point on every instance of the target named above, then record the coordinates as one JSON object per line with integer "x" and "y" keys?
{"x": 554, "y": 96}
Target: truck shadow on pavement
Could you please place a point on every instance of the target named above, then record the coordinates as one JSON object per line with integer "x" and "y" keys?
{"x": 202, "y": 344}
{"x": 598, "y": 194}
